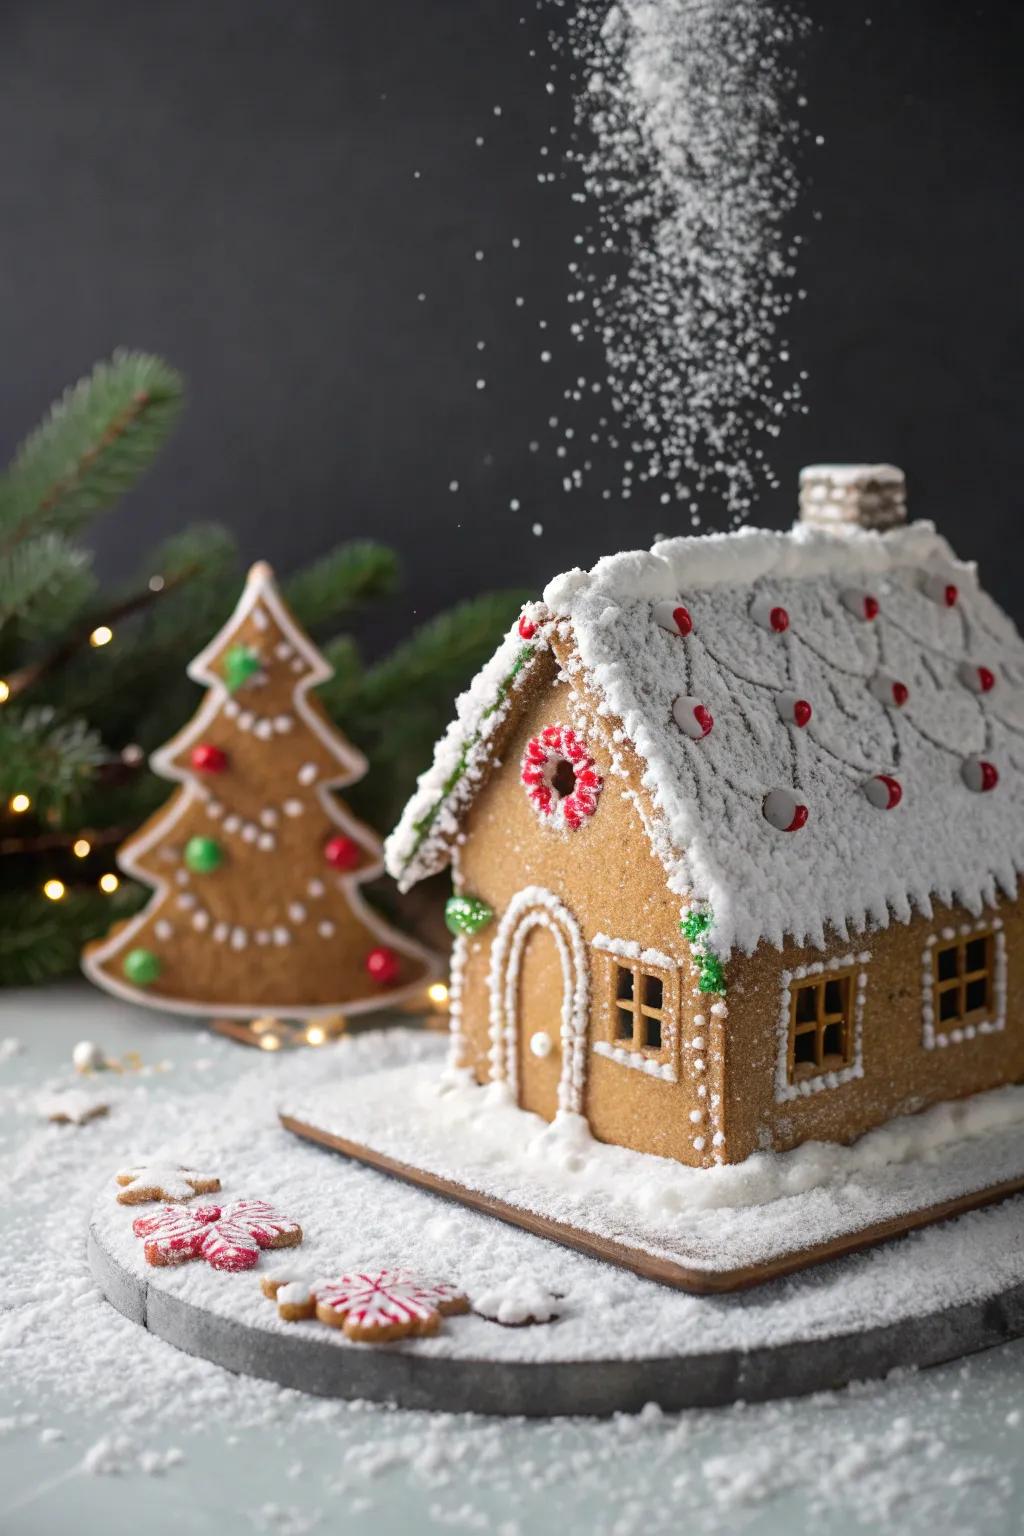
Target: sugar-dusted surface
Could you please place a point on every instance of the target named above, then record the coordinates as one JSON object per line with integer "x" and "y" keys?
{"x": 104, "y": 1429}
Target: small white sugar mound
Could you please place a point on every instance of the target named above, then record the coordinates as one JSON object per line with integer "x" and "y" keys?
{"x": 516, "y": 1300}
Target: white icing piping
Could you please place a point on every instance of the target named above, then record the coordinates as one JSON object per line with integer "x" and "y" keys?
{"x": 931, "y": 1038}
{"x": 533, "y": 907}
{"x": 784, "y": 1089}
{"x": 636, "y": 1059}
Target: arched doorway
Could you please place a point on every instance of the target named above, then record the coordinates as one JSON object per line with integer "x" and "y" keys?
{"x": 539, "y": 995}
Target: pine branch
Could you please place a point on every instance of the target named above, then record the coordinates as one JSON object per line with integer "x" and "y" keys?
{"x": 441, "y": 657}
{"x": 93, "y": 446}
{"x": 44, "y": 585}
{"x": 41, "y": 940}
{"x": 343, "y": 579}
{"x": 48, "y": 758}
{"x": 339, "y": 692}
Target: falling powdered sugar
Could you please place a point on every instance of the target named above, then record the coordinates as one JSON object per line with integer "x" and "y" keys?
{"x": 685, "y": 139}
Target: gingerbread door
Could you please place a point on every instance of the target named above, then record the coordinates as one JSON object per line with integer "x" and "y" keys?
{"x": 539, "y": 994}
{"x": 539, "y": 1017}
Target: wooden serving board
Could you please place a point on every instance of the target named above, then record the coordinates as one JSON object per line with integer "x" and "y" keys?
{"x": 386, "y": 1122}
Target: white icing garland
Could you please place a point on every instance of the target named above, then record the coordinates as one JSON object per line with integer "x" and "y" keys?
{"x": 532, "y": 907}
{"x": 932, "y": 1038}
{"x": 784, "y": 1089}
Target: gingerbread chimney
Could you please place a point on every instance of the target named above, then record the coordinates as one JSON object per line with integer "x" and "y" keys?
{"x": 840, "y": 496}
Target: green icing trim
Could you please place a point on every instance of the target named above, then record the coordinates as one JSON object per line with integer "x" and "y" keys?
{"x": 423, "y": 826}
{"x": 710, "y": 971}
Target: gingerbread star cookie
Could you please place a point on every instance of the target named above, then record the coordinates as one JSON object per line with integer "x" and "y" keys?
{"x": 163, "y": 1181}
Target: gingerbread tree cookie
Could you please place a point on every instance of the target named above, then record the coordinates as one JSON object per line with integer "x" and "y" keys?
{"x": 255, "y": 862}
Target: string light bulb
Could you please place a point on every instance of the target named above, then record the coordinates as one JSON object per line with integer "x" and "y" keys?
{"x": 54, "y": 889}
{"x": 316, "y": 1034}
{"x": 19, "y": 804}
{"x": 101, "y": 635}
{"x": 108, "y": 883}
{"x": 5, "y": 690}
{"x": 269, "y": 1043}
{"x": 156, "y": 583}
{"x": 438, "y": 993}
{"x": 81, "y": 848}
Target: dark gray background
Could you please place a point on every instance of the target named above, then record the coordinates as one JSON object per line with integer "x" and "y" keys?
{"x": 232, "y": 183}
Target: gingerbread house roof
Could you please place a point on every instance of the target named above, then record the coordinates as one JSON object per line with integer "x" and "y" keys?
{"x": 903, "y": 785}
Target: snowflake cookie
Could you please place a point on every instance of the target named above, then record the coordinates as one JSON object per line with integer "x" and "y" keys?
{"x": 163, "y": 1181}
{"x": 227, "y": 1237}
{"x": 374, "y": 1308}
{"x": 516, "y": 1301}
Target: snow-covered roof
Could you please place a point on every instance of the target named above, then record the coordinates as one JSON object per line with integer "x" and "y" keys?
{"x": 915, "y": 680}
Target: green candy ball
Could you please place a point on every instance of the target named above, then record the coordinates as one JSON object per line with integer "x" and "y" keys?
{"x": 466, "y": 914}
{"x": 142, "y": 967}
{"x": 239, "y": 665}
{"x": 203, "y": 855}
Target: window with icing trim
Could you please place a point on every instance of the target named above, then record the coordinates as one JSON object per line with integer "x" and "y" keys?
{"x": 821, "y": 1034}
{"x": 642, "y": 1004}
{"x": 962, "y": 972}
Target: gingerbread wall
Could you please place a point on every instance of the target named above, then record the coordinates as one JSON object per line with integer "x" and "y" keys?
{"x": 606, "y": 876}
{"x": 907, "y": 1061}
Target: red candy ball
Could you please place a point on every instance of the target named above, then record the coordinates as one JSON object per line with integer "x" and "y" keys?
{"x": 342, "y": 853}
{"x": 207, "y": 758}
{"x": 383, "y": 965}
{"x": 527, "y": 628}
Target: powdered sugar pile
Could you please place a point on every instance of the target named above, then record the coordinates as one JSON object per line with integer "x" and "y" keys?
{"x": 685, "y": 137}
{"x": 244, "y": 1454}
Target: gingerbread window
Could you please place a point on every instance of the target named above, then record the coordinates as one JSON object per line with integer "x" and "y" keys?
{"x": 962, "y": 976}
{"x": 821, "y": 1034}
{"x": 641, "y": 1009}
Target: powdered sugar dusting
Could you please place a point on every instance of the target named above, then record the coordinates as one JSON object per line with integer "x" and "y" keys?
{"x": 685, "y": 134}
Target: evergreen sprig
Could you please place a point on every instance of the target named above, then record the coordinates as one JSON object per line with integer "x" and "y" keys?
{"x": 47, "y": 757}
{"x": 41, "y": 940}
{"x": 344, "y": 579}
{"x": 91, "y": 448}
{"x": 45, "y": 583}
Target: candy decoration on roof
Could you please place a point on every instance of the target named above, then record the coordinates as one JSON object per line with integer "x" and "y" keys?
{"x": 863, "y": 605}
{"x": 783, "y": 811}
{"x": 883, "y": 791}
{"x": 527, "y": 628}
{"x": 978, "y": 679}
{"x": 769, "y": 614}
{"x": 561, "y": 777}
{"x": 793, "y": 709}
{"x": 246, "y": 918}
{"x": 941, "y": 590}
{"x": 888, "y": 690}
{"x": 979, "y": 774}
{"x": 693, "y": 718}
{"x": 206, "y": 758}
{"x": 226, "y": 1236}
{"x": 673, "y": 616}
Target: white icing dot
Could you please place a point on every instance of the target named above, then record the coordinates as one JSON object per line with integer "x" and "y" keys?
{"x": 297, "y": 912}
{"x": 186, "y": 901}
{"x": 307, "y": 773}
{"x": 325, "y": 930}
{"x": 269, "y": 817}
{"x": 262, "y": 936}
{"x": 266, "y": 842}
{"x": 282, "y": 650}
{"x": 200, "y": 921}
{"x": 239, "y": 938}
{"x": 250, "y": 832}
{"x": 315, "y": 888}
{"x": 283, "y": 724}
{"x": 232, "y": 823}
{"x": 232, "y": 709}
{"x": 246, "y": 720}
{"x": 281, "y": 936}
{"x": 214, "y": 810}
{"x": 293, "y": 807}
{"x": 220, "y": 932}
{"x": 162, "y": 928}
{"x": 264, "y": 729}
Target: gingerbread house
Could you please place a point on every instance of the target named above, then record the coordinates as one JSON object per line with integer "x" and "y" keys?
{"x": 735, "y": 828}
